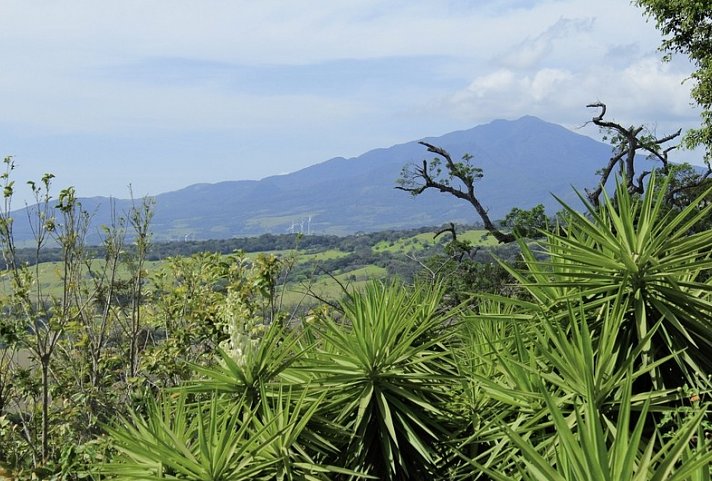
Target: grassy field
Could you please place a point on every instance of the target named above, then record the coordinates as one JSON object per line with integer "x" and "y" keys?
{"x": 50, "y": 274}
{"x": 329, "y": 254}
{"x": 425, "y": 240}
{"x": 306, "y": 293}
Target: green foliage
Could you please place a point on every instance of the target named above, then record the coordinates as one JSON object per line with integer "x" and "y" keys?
{"x": 219, "y": 438}
{"x": 451, "y": 175}
{"x": 638, "y": 250}
{"x": 527, "y": 223}
{"x": 585, "y": 452}
{"x": 684, "y": 187}
{"x": 687, "y": 27}
{"x": 463, "y": 276}
{"x": 558, "y": 386}
{"x": 388, "y": 377}
{"x": 587, "y": 360}
{"x": 250, "y": 367}
{"x": 178, "y": 439}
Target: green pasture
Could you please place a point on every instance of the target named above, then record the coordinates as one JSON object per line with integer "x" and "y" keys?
{"x": 50, "y": 275}
{"x": 326, "y": 287}
{"x": 303, "y": 258}
{"x": 478, "y": 237}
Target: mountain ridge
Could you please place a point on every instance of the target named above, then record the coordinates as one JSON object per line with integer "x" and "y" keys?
{"x": 523, "y": 160}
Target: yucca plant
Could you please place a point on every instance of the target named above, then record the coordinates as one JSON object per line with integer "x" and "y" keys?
{"x": 593, "y": 449}
{"x": 639, "y": 249}
{"x": 252, "y": 426}
{"x": 493, "y": 357}
{"x": 254, "y": 369}
{"x": 200, "y": 441}
{"x": 294, "y": 450}
{"x": 559, "y": 371}
{"x": 388, "y": 379}
{"x": 618, "y": 297}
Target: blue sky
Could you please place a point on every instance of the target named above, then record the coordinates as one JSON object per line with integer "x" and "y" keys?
{"x": 161, "y": 94}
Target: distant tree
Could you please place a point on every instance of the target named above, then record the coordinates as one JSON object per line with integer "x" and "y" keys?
{"x": 456, "y": 248}
{"x": 686, "y": 184}
{"x": 527, "y": 223}
{"x": 454, "y": 178}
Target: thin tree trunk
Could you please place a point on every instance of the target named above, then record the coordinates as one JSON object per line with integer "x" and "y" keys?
{"x": 44, "y": 360}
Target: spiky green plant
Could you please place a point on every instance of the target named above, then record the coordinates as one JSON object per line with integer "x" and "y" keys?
{"x": 389, "y": 379}
{"x": 293, "y": 448}
{"x": 223, "y": 438}
{"x": 557, "y": 374}
{"x": 638, "y": 249}
{"x": 254, "y": 369}
{"x": 618, "y": 297}
{"x": 493, "y": 358}
{"x": 201, "y": 441}
{"x": 593, "y": 449}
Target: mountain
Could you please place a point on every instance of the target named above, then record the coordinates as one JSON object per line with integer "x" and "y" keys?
{"x": 524, "y": 162}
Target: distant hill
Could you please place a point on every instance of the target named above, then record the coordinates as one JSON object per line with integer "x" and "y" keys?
{"x": 524, "y": 161}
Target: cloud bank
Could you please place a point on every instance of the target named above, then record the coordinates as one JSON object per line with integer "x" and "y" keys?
{"x": 110, "y": 93}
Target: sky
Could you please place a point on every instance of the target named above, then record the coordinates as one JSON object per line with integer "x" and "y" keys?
{"x": 162, "y": 94}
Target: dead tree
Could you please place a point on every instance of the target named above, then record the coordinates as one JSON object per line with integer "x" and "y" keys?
{"x": 450, "y": 228}
{"x": 627, "y": 143}
{"x": 416, "y": 179}
{"x": 457, "y": 249}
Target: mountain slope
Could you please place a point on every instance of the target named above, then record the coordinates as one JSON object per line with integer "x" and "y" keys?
{"x": 524, "y": 161}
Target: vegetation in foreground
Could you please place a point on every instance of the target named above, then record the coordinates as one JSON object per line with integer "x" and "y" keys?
{"x": 591, "y": 365}
{"x": 587, "y": 360}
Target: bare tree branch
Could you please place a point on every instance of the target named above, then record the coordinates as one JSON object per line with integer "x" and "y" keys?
{"x": 701, "y": 178}
{"x": 310, "y": 292}
{"x": 628, "y": 142}
{"x": 450, "y": 229}
{"x": 421, "y": 178}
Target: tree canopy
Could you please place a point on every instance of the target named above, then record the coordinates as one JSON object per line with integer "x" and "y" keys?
{"x": 687, "y": 29}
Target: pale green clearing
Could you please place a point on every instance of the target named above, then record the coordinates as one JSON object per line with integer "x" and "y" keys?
{"x": 298, "y": 293}
{"x": 303, "y": 258}
{"x": 50, "y": 275}
{"x": 478, "y": 237}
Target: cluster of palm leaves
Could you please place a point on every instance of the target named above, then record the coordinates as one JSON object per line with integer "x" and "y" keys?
{"x": 599, "y": 372}
{"x": 602, "y": 371}
{"x": 360, "y": 394}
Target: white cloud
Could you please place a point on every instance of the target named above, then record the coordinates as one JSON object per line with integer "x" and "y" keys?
{"x": 548, "y": 82}
{"x": 499, "y": 81}
{"x": 530, "y": 51}
{"x": 503, "y": 58}
{"x": 646, "y": 92}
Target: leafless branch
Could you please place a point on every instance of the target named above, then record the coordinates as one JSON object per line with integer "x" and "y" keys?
{"x": 629, "y": 144}
{"x": 421, "y": 179}
{"x": 433, "y": 274}
{"x": 310, "y": 292}
{"x": 450, "y": 229}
